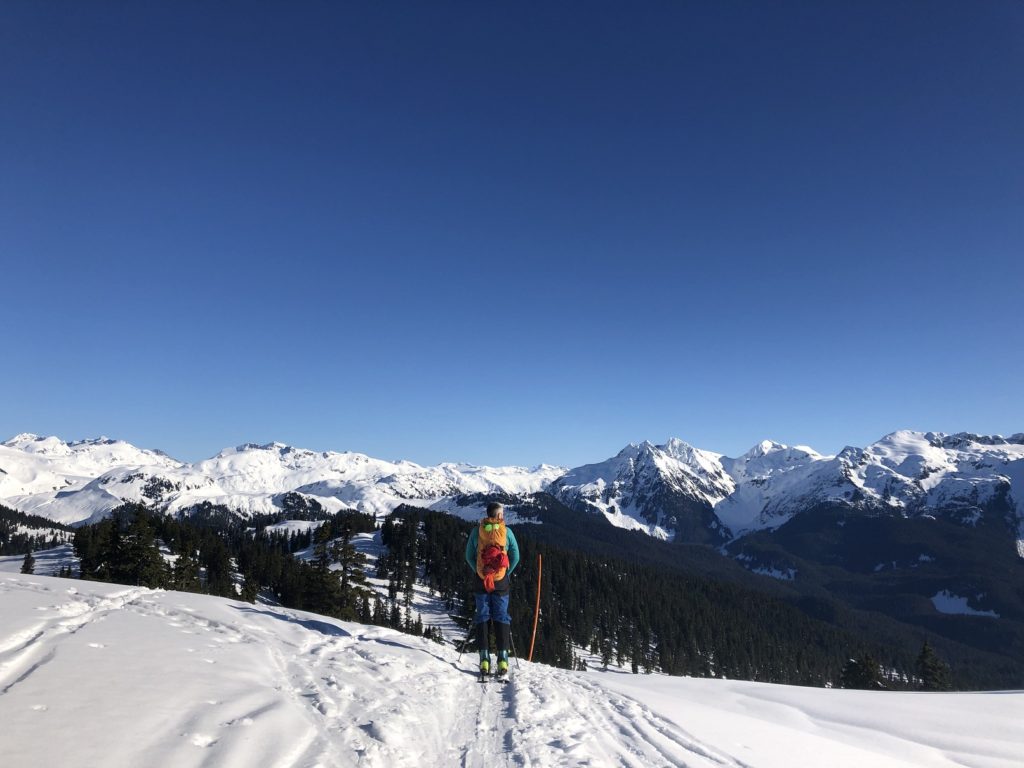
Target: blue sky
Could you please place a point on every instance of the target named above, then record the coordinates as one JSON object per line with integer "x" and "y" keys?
{"x": 510, "y": 233}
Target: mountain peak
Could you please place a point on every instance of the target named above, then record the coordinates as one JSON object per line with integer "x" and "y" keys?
{"x": 764, "y": 448}
{"x": 24, "y": 437}
{"x": 630, "y": 451}
{"x": 245, "y": 447}
{"x": 38, "y": 444}
{"x": 675, "y": 445}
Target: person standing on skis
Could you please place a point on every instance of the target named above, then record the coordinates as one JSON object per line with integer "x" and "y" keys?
{"x": 493, "y": 553}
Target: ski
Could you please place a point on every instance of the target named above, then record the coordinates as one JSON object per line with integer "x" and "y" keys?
{"x": 485, "y": 678}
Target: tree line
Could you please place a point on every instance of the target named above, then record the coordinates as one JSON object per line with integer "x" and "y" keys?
{"x": 16, "y": 537}
{"x": 645, "y": 617}
{"x": 214, "y": 552}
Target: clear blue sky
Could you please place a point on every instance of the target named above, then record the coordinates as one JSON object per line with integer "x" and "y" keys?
{"x": 510, "y": 232}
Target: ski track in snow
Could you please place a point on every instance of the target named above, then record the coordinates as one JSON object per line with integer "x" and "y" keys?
{"x": 358, "y": 695}
{"x": 202, "y": 681}
{"x": 26, "y": 651}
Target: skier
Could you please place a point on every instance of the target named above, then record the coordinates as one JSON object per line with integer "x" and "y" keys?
{"x": 493, "y": 553}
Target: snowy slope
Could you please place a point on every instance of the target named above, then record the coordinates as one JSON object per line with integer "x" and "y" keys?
{"x": 766, "y": 471}
{"x": 100, "y": 674}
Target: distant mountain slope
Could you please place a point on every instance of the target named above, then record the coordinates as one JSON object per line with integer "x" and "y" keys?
{"x": 665, "y": 490}
{"x": 909, "y": 474}
{"x": 71, "y": 482}
{"x": 674, "y": 490}
{"x": 62, "y": 481}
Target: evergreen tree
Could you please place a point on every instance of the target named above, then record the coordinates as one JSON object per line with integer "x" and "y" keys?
{"x": 365, "y": 611}
{"x": 29, "y": 564}
{"x": 216, "y": 557}
{"x": 140, "y": 560}
{"x": 185, "y": 574}
{"x": 606, "y": 652}
{"x": 934, "y": 673}
{"x": 351, "y": 574}
{"x": 250, "y": 588}
{"x": 862, "y": 673}
{"x": 323, "y": 587}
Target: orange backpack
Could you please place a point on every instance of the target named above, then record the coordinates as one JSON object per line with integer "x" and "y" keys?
{"x": 491, "y": 559}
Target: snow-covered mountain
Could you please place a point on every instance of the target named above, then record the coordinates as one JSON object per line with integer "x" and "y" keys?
{"x": 905, "y": 473}
{"x": 70, "y": 482}
{"x": 59, "y": 480}
{"x": 654, "y": 488}
{"x": 102, "y": 674}
{"x": 671, "y": 490}
{"x": 764, "y": 472}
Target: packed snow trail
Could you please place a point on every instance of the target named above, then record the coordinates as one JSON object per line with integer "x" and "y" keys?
{"x": 100, "y": 674}
{"x": 321, "y": 692}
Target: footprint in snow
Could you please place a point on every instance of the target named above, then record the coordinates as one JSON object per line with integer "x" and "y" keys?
{"x": 97, "y": 645}
{"x": 39, "y": 707}
{"x": 202, "y": 740}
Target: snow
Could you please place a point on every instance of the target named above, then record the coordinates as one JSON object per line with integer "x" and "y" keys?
{"x": 776, "y": 726}
{"x": 750, "y": 563}
{"x": 102, "y": 674}
{"x": 48, "y": 561}
{"x": 48, "y": 533}
{"x": 787, "y": 575}
{"x": 289, "y": 527}
{"x": 766, "y": 470}
{"x": 946, "y": 602}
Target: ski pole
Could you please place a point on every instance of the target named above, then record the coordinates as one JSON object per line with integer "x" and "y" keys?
{"x": 512, "y": 640}
{"x": 465, "y": 642}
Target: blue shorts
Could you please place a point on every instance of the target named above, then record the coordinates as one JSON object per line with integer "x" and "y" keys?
{"x": 492, "y": 606}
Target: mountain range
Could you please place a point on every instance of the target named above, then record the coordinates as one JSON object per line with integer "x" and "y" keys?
{"x": 672, "y": 491}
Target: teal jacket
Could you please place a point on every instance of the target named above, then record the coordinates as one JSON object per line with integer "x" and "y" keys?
{"x": 511, "y": 549}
